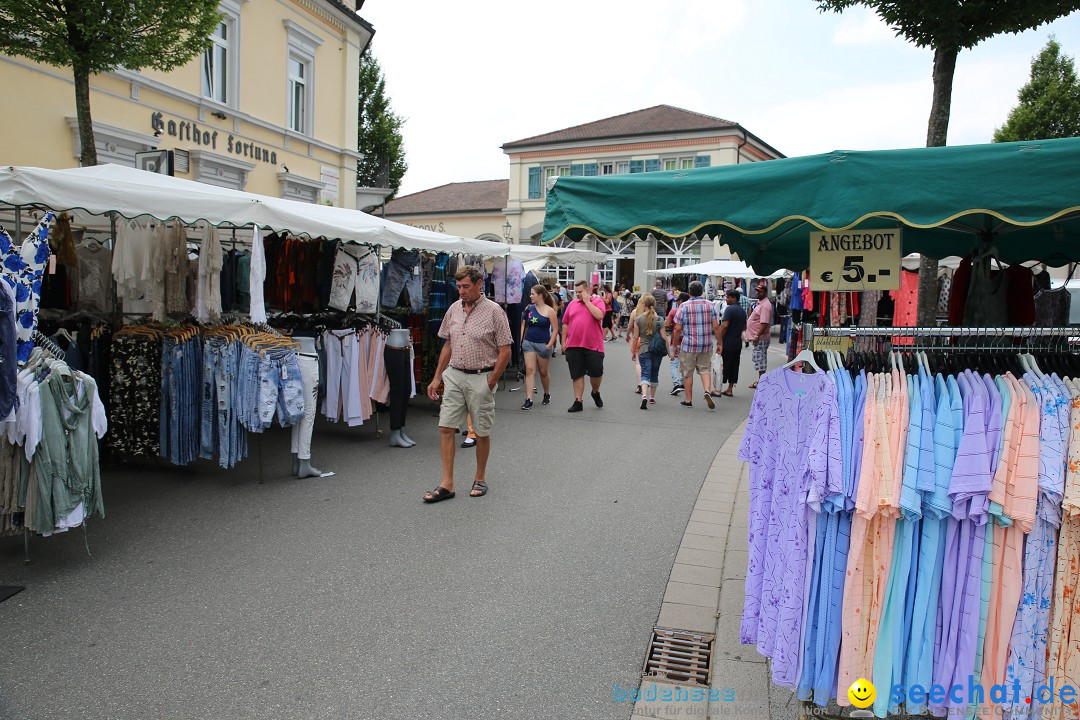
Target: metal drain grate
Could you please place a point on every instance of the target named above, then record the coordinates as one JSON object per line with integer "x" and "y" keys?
{"x": 680, "y": 656}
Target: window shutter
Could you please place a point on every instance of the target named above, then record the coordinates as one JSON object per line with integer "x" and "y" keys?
{"x": 590, "y": 169}
{"x": 652, "y": 165}
{"x": 534, "y": 183}
{"x": 637, "y": 166}
{"x": 702, "y": 161}
{"x": 577, "y": 169}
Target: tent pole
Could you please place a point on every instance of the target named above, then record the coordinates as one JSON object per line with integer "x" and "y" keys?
{"x": 18, "y": 223}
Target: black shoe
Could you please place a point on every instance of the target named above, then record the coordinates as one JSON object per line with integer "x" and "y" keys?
{"x": 644, "y": 403}
{"x": 527, "y": 404}
{"x": 676, "y": 390}
{"x": 546, "y": 400}
{"x": 576, "y": 407}
{"x": 598, "y": 400}
{"x": 468, "y": 442}
{"x": 686, "y": 404}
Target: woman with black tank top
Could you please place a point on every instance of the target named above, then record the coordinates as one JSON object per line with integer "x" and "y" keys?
{"x": 538, "y": 325}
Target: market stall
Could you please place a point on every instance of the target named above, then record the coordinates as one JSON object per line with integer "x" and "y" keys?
{"x": 914, "y": 493}
{"x": 188, "y": 317}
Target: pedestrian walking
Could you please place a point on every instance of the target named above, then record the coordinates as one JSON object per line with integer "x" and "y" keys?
{"x": 539, "y": 326}
{"x": 649, "y": 351}
{"x": 673, "y": 357}
{"x": 695, "y": 327}
{"x": 608, "y": 323}
{"x": 631, "y": 339}
{"x": 583, "y": 343}
{"x": 625, "y": 308}
{"x": 660, "y": 295}
{"x": 470, "y": 365}
{"x": 759, "y": 331}
{"x": 732, "y": 326}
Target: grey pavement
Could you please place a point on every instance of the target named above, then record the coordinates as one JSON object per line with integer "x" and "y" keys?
{"x": 209, "y": 594}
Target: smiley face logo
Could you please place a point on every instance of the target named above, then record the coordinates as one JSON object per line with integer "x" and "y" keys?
{"x": 862, "y": 693}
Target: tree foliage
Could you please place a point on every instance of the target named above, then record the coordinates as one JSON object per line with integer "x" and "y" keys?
{"x": 1049, "y": 102}
{"x": 96, "y": 36}
{"x": 379, "y": 137}
{"x": 949, "y": 26}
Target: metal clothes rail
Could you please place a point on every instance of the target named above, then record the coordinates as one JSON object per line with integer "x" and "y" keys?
{"x": 961, "y": 339}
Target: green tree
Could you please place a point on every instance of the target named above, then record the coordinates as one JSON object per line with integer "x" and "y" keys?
{"x": 1049, "y": 103}
{"x": 948, "y": 28}
{"x": 96, "y": 36}
{"x": 378, "y": 136}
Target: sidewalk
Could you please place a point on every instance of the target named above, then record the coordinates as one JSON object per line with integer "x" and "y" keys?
{"x": 705, "y": 594}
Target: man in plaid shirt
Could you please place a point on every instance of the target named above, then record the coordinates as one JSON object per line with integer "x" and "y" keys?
{"x": 696, "y": 325}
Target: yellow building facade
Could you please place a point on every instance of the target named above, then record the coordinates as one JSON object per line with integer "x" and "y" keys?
{"x": 270, "y": 108}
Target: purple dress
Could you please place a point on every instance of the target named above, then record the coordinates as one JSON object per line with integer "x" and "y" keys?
{"x": 792, "y": 443}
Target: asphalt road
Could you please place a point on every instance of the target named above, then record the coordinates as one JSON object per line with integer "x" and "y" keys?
{"x": 207, "y": 594}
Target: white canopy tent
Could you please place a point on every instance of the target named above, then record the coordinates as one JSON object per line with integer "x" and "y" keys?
{"x": 717, "y": 268}
{"x": 129, "y": 192}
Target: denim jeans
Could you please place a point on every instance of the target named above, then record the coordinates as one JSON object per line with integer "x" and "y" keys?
{"x": 221, "y": 429}
{"x": 650, "y": 367}
{"x": 403, "y": 272}
{"x": 179, "y": 425}
{"x": 676, "y": 377}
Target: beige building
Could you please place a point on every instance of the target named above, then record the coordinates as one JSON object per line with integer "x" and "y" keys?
{"x": 657, "y": 138}
{"x": 270, "y": 108}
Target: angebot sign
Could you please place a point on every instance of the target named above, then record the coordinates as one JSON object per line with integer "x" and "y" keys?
{"x": 855, "y": 260}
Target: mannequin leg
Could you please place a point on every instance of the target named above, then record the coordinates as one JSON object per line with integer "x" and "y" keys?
{"x": 309, "y": 372}
{"x": 397, "y": 372}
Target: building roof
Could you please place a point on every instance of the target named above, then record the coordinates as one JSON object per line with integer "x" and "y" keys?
{"x": 453, "y": 197}
{"x": 657, "y": 120}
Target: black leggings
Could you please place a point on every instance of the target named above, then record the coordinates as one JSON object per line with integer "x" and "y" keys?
{"x": 397, "y": 371}
{"x": 732, "y": 358}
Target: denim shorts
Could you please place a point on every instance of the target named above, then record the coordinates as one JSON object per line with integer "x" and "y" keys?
{"x": 541, "y": 349}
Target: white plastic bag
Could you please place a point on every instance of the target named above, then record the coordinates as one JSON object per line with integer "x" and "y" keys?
{"x": 717, "y": 371}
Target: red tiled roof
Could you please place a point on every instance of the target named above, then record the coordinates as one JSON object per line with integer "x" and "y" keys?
{"x": 658, "y": 120}
{"x": 453, "y": 197}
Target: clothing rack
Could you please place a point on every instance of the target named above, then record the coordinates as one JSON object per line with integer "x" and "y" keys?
{"x": 982, "y": 339}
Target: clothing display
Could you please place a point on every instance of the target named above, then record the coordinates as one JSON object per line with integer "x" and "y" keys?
{"x": 507, "y": 276}
{"x": 402, "y": 274}
{"x": 912, "y": 522}
{"x": 355, "y": 281}
{"x": 355, "y": 374}
{"x": 50, "y": 479}
{"x": 95, "y": 261}
{"x": 208, "y": 293}
{"x": 131, "y": 260}
{"x": 23, "y": 268}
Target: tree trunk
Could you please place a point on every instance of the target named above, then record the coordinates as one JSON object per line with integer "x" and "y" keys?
{"x": 937, "y": 131}
{"x": 88, "y": 157}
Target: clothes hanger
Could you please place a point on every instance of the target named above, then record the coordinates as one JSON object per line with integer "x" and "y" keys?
{"x": 805, "y": 356}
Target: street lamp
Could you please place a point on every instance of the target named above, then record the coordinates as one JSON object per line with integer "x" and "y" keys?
{"x": 507, "y": 228}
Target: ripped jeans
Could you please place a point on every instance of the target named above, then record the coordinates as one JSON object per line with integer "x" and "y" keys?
{"x": 270, "y": 384}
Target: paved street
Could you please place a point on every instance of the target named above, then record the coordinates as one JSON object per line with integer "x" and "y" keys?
{"x": 207, "y": 594}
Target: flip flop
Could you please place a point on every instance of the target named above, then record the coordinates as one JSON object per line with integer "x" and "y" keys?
{"x": 478, "y": 485}
{"x": 753, "y": 386}
{"x": 727, "y": 394}
{"x": 438, "y": 495}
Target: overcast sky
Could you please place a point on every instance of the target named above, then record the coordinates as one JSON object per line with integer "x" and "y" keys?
{"x": 468, "y": 77}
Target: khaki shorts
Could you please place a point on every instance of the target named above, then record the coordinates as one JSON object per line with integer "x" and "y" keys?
{"x": 689, "y": 362}
{"x": 465, "y": 395}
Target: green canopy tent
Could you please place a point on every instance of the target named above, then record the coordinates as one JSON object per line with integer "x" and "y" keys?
{"x": 1025, "y": 196}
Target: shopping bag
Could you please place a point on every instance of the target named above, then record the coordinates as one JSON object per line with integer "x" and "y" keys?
{"x": 717, "y": 370}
